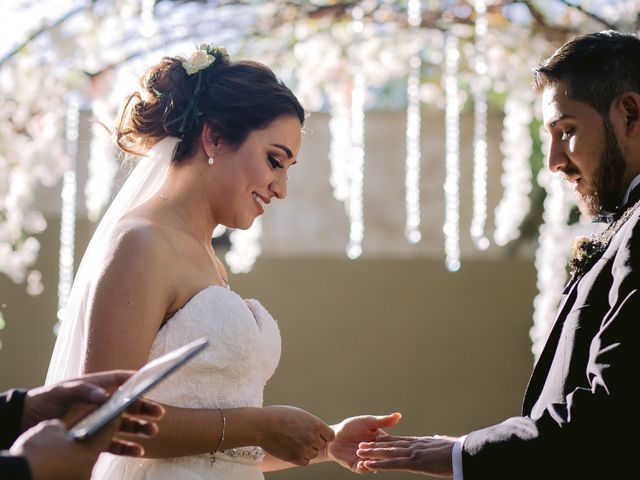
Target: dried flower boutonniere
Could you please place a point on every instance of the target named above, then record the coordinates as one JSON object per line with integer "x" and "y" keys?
{"x": 585, "y": 251}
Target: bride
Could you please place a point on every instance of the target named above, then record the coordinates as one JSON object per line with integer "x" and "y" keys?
{"x": 217, "y": 139}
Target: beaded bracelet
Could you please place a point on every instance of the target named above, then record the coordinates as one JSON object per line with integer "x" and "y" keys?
{"x": 212, "y": 455}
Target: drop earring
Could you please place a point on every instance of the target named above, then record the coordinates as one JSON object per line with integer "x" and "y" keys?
{"x": 212, "y": 158}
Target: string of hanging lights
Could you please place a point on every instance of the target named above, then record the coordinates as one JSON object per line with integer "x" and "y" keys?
{"x": 412, "y": 162}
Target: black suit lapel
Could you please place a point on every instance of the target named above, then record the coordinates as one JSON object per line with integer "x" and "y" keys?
{"x": 541, "y": 369}
{"x": 542, "y": 366}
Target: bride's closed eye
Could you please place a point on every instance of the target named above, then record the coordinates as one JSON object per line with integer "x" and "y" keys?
{"x": 274, "y": 162}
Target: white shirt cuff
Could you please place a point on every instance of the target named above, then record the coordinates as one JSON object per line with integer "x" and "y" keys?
{"x": 456, "y": 458}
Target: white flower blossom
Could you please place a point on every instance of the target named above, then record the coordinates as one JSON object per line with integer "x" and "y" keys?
{"x": 198, "y": 60}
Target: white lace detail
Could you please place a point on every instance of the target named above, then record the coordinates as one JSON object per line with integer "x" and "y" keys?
{"x": 243, "y": 354}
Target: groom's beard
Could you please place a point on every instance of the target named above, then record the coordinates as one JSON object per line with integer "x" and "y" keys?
{"x": 605, "y": 189}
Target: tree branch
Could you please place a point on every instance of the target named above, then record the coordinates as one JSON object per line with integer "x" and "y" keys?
{"x": 340, "y": 10}
{"x": 591, "y": 15}
{"x": 554, "y": 33}
{"x": 71, "y": 13}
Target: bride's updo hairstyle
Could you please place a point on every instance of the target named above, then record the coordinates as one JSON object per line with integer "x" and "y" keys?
{"x": 179, "y": 95}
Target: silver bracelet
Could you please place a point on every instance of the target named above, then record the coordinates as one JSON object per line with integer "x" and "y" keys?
{"x": 212, "y": 455}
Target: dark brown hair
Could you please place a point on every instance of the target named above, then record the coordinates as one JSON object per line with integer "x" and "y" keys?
{"x": 597, "y": 67}
{"x": 233, "y": 98}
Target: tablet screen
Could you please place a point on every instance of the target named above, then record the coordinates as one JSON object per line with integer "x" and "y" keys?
{"x": 139, "y": 383}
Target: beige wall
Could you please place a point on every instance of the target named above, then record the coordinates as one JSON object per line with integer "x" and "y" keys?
{"x": 448, "y": 350}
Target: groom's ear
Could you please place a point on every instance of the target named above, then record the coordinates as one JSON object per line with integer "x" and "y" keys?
{"x": 627, "y": 107}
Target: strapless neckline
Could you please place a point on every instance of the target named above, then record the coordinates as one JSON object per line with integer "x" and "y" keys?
{"x": 195, "y": 296}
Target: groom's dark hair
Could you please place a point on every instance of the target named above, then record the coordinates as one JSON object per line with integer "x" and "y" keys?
{"x": 597, "y": 67}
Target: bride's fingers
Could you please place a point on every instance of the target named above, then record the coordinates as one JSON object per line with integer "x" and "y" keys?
{"x": 320, "y": 444}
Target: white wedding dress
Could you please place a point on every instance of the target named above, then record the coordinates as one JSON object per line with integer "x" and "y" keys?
{"x": 232, "y": 371}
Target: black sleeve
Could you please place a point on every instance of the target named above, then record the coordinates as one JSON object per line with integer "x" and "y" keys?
{"x": 591, "y": 434}
{"x": 13, "y": 468}
{"x": 11, "y": 404}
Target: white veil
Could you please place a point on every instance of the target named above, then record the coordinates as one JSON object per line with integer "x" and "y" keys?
{"x": 143, "y": 182}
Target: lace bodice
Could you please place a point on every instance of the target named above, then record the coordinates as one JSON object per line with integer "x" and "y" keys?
{"x": 243, "y": 353}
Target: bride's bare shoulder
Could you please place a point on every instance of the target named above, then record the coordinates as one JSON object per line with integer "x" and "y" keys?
{"x": 141, "y": 235}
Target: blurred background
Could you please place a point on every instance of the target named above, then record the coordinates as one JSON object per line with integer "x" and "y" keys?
{"x": 421, "y": 252}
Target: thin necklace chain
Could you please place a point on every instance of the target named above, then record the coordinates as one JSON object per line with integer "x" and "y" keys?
{"x": 164, "y": 198}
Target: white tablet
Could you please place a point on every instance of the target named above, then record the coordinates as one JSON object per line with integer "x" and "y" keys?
{"x": 139, "y": 383}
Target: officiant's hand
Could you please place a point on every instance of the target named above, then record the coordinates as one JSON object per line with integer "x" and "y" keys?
{"x": 423, "y": 455}
{"x": 49, "y": 411}
{"x": 71, "y": 400}
{"x": 52, "y": 454}
{"x": 351, "y": 432}
{"x": 293, "y": 435}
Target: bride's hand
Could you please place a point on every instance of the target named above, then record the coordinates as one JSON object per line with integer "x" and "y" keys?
{"x": 351, "y": 431}
{"x": 293, "y": 434}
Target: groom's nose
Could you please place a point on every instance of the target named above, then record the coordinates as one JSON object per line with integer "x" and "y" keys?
{"x": 557, "y": 160}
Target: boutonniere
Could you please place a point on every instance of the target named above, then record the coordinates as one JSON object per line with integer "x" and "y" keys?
{"x": 585, "y": 251}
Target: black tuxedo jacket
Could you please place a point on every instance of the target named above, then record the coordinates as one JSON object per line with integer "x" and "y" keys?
{"x": 579, "y": 418}
{"x": 14, "y": 468}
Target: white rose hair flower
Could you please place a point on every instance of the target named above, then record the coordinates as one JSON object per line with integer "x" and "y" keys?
{"x": 198, "y": 60}
{"x": 204, "y": 56}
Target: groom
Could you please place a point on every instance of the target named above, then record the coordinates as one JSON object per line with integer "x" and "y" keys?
{"x": 579, "y": 417}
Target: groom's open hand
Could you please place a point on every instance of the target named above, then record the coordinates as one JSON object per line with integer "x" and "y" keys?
{"x": 422, "y": 455}
{"x": 351, "y": 432}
